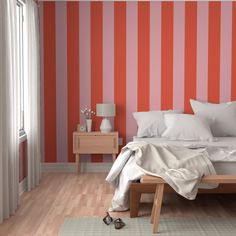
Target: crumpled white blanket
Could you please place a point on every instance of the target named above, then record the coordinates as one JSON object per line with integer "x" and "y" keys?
{"x": 221, "y": 154}
{"x": 180, "y": 167}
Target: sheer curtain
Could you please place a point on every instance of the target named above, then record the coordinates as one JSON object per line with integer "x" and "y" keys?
{"x": 32, "y": 110}
{"x": 9, "y": 117}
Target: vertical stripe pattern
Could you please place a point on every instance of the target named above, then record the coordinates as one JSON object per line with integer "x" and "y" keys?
{"x": 61, "y": 81}
{"x": 225, "y": 51}
{"x": 73, "y": 82}
{"x": 108, "y": 52}
{"x": 84, "y": 57}
{"x": 132, "y": 66}
{"x": 120, "y": 67}
{"x": 139, "y": 55}
{"x": 167, "y": 55}
{"x": 178, "y": 55}
{"x": 155, "y": 55}
{"x": 190, "y": 53}
{"x": 49, "y": 82}
{"x": 143, "y": 55}
{"x": 96, "y": 64}
{"x": 108, "y": 58}
{"x": 85, "y": 61}
{"x": 214, "y": 52}
{"x": 202, "y": 51}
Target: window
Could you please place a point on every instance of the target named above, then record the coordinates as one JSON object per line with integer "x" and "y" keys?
{"x": 21, "y": 61}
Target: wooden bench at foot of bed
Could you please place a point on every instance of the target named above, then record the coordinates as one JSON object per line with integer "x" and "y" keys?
{"x": 137, "y": 189}
{"x": 160, "y": 183}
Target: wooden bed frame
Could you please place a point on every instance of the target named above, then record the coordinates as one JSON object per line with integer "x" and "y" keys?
{"x": 136, "y": 190}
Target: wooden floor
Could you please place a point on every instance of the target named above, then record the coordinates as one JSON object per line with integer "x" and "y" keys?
{"x": 43, "y": 210}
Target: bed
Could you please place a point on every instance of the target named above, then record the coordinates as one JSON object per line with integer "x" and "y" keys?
{"x": 222, "y": 152}
{"x": 214, "y": 123}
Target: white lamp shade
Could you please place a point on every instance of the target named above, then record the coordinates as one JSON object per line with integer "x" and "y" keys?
{"x": 106, "y": 110}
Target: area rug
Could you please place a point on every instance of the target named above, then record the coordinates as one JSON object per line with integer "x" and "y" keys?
{"x": 175, "y": 226}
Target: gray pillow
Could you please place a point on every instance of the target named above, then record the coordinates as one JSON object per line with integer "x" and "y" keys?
{"x": 221, "y": 117}
{"x": 151, "y": 123}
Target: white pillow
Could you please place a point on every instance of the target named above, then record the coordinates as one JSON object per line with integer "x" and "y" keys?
{"x": 151, "y": 123}
{"x": 186, "y": 127}
{"x": 223, "y": 116}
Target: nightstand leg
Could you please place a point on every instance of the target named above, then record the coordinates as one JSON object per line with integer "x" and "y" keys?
{"x": 114, "y": 157}
{"x": 77, "y": 163}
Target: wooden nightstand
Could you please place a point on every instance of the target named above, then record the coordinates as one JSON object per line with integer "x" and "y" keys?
{"x": 94, "y": 143}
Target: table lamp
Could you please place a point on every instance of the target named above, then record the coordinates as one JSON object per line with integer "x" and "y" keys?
{"x": 105, "y": 110}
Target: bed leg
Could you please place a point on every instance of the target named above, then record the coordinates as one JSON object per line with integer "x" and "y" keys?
{"x": 134, "y": 202}
{"x": 153, "y": 207}
{"x": 156, "y": 209}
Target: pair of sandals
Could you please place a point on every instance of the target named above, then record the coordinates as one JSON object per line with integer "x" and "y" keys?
{"x": 117, "y": 222}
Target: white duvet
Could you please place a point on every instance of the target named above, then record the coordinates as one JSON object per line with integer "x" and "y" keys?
{"x": 125, "y": 170}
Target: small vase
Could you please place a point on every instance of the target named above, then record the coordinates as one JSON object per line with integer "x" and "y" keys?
{"x": 89, "y": 125}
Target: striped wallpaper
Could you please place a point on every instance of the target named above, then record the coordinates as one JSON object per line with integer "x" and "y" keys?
{"x": 139, "y": 55}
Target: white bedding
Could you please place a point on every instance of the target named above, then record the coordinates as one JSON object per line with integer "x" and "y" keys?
{"x": 180, "y": 167}
{"x": 221, "y": 150}
{"x": 222, "y": 153}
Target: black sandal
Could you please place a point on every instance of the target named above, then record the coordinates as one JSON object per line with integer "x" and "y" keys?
{"x": 119, "y": 223}
{"x": 107, "y": 219}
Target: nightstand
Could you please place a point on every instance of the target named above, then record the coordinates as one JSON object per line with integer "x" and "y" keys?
{"x": 94, "y": 143}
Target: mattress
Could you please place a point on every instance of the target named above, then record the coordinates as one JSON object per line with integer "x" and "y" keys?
{"x": 219, "y": 142}
{"x": 221, "y": 166}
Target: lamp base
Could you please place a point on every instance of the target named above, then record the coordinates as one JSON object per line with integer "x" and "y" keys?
{"x": 105, "y": 126}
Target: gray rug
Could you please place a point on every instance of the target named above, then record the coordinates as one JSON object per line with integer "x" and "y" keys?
{"x": 207, "y": 226}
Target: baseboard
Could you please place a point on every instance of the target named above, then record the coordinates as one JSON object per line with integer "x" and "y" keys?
{"x": 71, "y": 167}
{"x": 23, "y": 186}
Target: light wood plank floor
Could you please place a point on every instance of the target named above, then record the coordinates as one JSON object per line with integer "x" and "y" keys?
{"x": 43, "y": 210}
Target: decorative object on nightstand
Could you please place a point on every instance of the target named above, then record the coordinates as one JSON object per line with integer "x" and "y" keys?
{"x": 94, "y": 143}
{"x": 88, "y": 116}
{"x": 106, "y": 110}
{"x": 81, "y": 128}
{"x": 89, "y": 125}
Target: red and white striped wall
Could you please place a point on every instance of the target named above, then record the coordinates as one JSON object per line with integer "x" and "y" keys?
{"x": 140, "y": 55}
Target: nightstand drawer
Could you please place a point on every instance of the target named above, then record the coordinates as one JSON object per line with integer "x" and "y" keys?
{"x": 104, "y": 144}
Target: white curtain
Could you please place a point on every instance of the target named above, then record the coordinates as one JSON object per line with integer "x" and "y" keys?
{"x": 32, "y": 110}
{"x": 9, "y": 117}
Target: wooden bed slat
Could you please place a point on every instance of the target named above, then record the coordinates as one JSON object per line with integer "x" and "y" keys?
{"x": 220, "y": 179}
